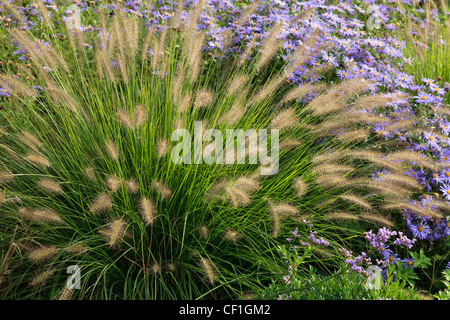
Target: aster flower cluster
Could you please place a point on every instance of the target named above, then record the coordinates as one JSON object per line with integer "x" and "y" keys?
{"x": 313, "y": 240}
{"x": 424, "y": 227}
{"x": 383, "y": 242}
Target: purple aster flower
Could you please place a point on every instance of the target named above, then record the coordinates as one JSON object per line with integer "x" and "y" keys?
{"x": 445, "y": 189}
{"x": 420, "y": 231}
{"x": 4, "y": 92}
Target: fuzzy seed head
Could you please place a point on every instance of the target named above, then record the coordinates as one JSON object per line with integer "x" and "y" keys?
{"x": 301, "y": 187}
{"x": 102, "y": 203}
{"x": 43, "y": 253}
{"x": 50, "y": 186}
{"x": 112, "y": 149}
{"x": 231, "y": 235}
{"x": 285, "y": 119}
{"x": 132, "y": 186}
{"x": 30, "y": 140}
{"x": 41, "y": 277}
{"x": 125, "y": 119}
{"x": 38, "y": 160}
{"x": 165, "y": 192}
{"x": 148, "y": 210}
{"x": 114, "y": 232}
{"x": 161, "y": 147}
{"x": 139, "y": 115}
{"x": 208, "y": 269}
{"x": 5, "y": 176}
{"x": 113, "y": 183}
{"x": 341, "y": 216}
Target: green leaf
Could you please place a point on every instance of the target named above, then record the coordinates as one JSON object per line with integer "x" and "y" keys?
{"x": 420, "y": 260}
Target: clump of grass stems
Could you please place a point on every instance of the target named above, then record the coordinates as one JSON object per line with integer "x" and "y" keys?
{"x": 90, "y": 163}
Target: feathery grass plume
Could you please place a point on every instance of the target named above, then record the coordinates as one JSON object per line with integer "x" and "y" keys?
{"x": 289, "y": 144}
{"x": 302, "y": 90}
{"x": 125, "y": 119}
{"x": 140, "y": 115}
{"x": 177, "y": 85}
{"x": 332, "y": 180}
{"x": 377, "y": 159}
{"x": 327, "y": 168}
{"x": 331, "y": 156}
{"x": 76, "y": 249}
{"x": 440, "y": 205}
{"x": 155, "y": 268}
{"x": 15, "y": 86}
{"x": 402, "y": 180}
{"x": 400, "y": 125}
{"x": 237, "y": 83}
{"x": 301, "y": 187}
{"x": 158, "y": 48}
{"x": 354, "y": 135}
{"x": 378, "y": 219}
{"x": 163, "y": 191}
{"x": 112, "y": 149}
{"x": 389, "y": 190}
{"x": 355, "y": 199}
{"x": 148, "y": 210}
{"x": 113, "y": 182}
{"x": 203, "y": 98}
{"x": 11, "y": 153}
{"x": 6, "y": 176}
{"x": 132, "y": 186}
{"x": 346, "y": 119}
{"x": 90, "y": 173}
{"x": 185, "y": 103}
{"x": 283, "y": 209}
{"x": 148, "y": 42}
{"x": 232, "y": 235}
{"x": 247, "y": 184}
{"x": 195, "y": 56}
{"x": 114, "y": 232}
{"x": 59, "y": 96}
{"x": 412, "y": 157}
{"x": 418, "y": 209}
{"x": 50, "y": 185}
{"x": 132, "y": 35}
{"x": 376, "y": 101}
{"x": 232, "y": 116}
{"x": 38, "y": 160}
{"x": 341, "y": 216}
{"x": 285, "y": 119}
{"x": 208, "y": 269}
{"x": 40, "y": 215}
{"x": 320, "y": 70}
{"x": 103, "y": 202}
{"x": 247, "y": 52}
{"x": 336, "y": 97}
{"x": 66, "y": 293}
{"x": 301, "y": 52}
{"x": 42, "y": 253}
{"x": 41, "y": 277}
{"x": 203, "y": 231}
{"x": 269, "y": 46}
{"x": 266, "y": 91}
{"x": 30, "y": 140}
{"x": 13, "y": 10}
{"x": 237, "y": 197}
{"x": 237, "y": 192}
